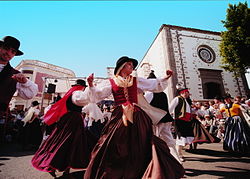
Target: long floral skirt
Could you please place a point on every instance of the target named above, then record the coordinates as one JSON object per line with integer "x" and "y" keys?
{"x": 131, "y": 152}
{"x": 68, "y": 146}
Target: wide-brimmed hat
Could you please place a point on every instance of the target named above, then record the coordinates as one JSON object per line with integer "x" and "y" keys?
{"x": 13, "y": 43}
{"x": 123, "y": 60}
{"x": 151, "y": 75}
{"x": 80, "y": 82}
{"x": 35, "y": 103}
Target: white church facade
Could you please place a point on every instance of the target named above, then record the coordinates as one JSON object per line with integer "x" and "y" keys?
{"x": 193, "y": 55}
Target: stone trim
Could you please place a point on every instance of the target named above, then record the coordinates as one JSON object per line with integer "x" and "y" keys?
{"x": 188, "y": 29}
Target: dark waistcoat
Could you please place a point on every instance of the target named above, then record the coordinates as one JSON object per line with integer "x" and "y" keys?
{"x": 160, "y": 100}
{"x": 178, "y": 110}
{"x": 7, "y": 86}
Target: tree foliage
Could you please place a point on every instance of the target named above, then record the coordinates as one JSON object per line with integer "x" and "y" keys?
{"x": 235, "y": 45}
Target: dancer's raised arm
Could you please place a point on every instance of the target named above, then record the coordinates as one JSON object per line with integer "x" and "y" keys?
{"x": 90, "y": 80}
{"x": 155, "y": 85}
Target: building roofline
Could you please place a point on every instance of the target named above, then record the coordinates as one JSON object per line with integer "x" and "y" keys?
{"x": 188, "y": 29}
{"x": 45, "y": 65}
{"x": 140, "y": 62}
{"x": 178, "y": 28}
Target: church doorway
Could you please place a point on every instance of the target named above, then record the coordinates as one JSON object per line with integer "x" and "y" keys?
{"x": 212, "y": 83}
{"x": 211, "y": 90}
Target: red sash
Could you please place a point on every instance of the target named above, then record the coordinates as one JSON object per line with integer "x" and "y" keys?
{"x": 58, "y": 109}
{"x": 187, "y": 117}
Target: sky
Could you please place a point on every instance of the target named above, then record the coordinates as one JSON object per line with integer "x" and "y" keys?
{"x": 89, "y": 36}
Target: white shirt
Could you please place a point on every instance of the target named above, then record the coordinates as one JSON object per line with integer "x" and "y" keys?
{"x": 149, "y": 96}
{"x": 175, "y": 102}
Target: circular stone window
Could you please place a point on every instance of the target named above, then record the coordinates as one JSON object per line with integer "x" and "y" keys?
{"x": 206, "y": 53}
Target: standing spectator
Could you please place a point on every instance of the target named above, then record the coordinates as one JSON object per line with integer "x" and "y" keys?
{"x": 107, "y": 113}
{"x": 218, "y": 101}
{"x": 11, "y": 79}
{"x": 32, "y": 133}
{"x": 19, "y": 125}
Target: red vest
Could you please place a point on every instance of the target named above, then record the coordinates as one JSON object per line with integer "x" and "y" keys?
{"x": 124, "y": 95}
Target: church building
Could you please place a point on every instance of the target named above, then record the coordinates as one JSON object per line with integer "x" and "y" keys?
{"x": 194, "y": 57}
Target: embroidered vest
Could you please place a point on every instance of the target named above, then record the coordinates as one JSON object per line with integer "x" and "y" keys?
{"x": 7, "y": 86}
{"x": 123, "y": 95}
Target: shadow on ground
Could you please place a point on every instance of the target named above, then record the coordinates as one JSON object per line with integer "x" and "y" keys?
{"x": 14, "y": 150}
{"x": 216, "y": 153}
{"x": 240, "y": 174}
{"x": 73, "y": 175}
{"x": 217, "y": 157}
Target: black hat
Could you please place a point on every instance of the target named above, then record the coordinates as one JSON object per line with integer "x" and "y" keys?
{"x": 35, "y": 103}
{"x": 13, "y": 43}
{"x": 123, "y": 60}
{"x": 227, "y": 95}
{"x": 218, "y": 97}
{"x": 151, "y": 74}
{"x": 80, "y": 82}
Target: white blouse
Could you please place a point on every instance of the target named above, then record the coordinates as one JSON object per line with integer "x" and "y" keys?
{"x": 104, "y": 90}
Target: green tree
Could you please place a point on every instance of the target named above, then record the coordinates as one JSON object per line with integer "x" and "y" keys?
{"x": 235, "y": 44}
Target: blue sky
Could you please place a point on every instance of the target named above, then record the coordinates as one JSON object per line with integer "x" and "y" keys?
{"x": 88, "y": 36}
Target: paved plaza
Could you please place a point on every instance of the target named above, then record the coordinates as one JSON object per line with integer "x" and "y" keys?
{"x": 208, "y": 162}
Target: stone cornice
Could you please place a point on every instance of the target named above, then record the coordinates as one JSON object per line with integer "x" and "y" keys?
{"x": 45, "y": 65}
{"x": 189, "y": 29}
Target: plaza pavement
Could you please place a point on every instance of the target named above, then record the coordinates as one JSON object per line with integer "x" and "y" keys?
{"x": 208, "y": 162}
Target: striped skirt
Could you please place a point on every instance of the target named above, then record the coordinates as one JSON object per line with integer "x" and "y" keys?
{"x": 237, "y": 135}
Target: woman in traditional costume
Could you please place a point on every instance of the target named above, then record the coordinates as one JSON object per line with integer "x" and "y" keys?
{"x": 237, "y": 132}
{"x": 70, "y": 144}
{"x": 127, "y": 147}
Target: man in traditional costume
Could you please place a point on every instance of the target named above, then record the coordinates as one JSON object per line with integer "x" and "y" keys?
{"x": 181, "y": 108}
{"x": 12, "y": 80}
